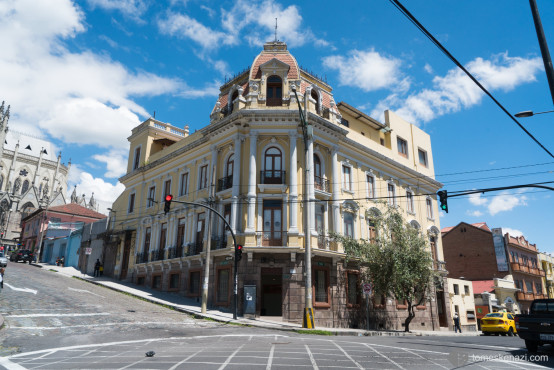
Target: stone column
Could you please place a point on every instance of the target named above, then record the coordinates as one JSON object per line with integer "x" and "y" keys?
{"x": 293, "y": 206}
{"x": 250, "y": 227}
{"x": 236, "y": 183}
{"x": 336, "y": 189}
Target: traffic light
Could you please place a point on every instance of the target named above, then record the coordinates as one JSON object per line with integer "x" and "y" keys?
{"x": 168, "y": 199}
{"x": 238, "y": 253}
{"x": 443, "y": 197}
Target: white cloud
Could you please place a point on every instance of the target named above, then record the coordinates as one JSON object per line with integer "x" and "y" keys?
{"x": 476, "y": 199}
{"x": 506, "y": 202}
{"x": 455, "y": 90}
{"x": 208, "y": 90}
{"x": 75, "y": 96}
{"x": 105, "y": 193}
{"x": 368, "y": 70}
{"x": 181, "y": 25}
{"x": 475, "y": 213}
{"x": 257, "y": 17}
{"x": 428, "y": 68}
{"x": 512, "y": 232}
{"x": 116, "y": 162}
{"x": 133, "y": 9}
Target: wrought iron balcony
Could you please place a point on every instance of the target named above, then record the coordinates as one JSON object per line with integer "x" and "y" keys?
{"x": 174, "y": 252}
{"x": 155, "y": 255}
{"x": 225, "y": 183}
{"x": 321, "y": 184}
{"x": 272, "y": 177}
{"x": 218, "y": 242}
{"x": 195, "y": 248}
{"x": 271, "y": 238}
{"x": 141, "y": 257}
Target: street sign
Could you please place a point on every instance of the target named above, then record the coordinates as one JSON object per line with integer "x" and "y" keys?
{"x": 228, "y": 258}
{"x": 367, "y": 288}
{"x": 88, "y": 250}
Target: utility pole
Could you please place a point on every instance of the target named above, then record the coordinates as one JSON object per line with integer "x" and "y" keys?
{"x": 307, "y": 131}
{"x": 208, "y": 246}
{"x": 544, "y": 47}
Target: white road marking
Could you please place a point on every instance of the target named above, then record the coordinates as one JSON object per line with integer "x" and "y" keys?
{"x": 270, "y": 359}
{"x": 312, "y": 359}
{"x": 224, "y": 365}
{"x": 185, "y": 360}
{"x": 61, "y": 314}
{"x": 85, "y": 291}
{"x": 27, "y": 290}
{"x": 348, "y": 356}
{"x": 420, "y": 356}
{"x": 382, "y": 355}
{"x": 7, "y": 364}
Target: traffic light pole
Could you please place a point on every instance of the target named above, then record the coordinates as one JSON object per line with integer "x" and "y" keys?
{"x": 235, "y": 288}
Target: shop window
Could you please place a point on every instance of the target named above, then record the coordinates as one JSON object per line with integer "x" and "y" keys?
{"x": 174, "y": 281}
{"x": 321, "y": 287}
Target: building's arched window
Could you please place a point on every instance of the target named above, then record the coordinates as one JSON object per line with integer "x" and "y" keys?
{"x": 315, "y": 96}
{"x": 319, "y": 183}
{"x": 348, "y": 224}
{"x": 25, "y": 187}
{"x": 274, "y": 91}
{"x": 233, "y": 97}
{"x": 230, "y": 165}
{"x": 273, "y": 173}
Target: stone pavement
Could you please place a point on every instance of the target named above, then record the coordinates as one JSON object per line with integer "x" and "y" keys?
{"x": 192, "y": 306}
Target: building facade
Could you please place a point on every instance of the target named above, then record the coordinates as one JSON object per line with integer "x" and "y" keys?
{"x": 256, "y": 155}
{"x": 31, "y": 177}
{"x": 547, "y": 262}
{"x": 462, "y": 302}
{"x": 476, "y": 252}
{"x": 35, "y": 227}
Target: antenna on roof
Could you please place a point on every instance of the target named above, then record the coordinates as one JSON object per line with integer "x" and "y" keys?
{"x": 275, "y": 29}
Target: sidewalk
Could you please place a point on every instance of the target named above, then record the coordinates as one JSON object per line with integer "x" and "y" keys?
{"x": 192, "y": 306}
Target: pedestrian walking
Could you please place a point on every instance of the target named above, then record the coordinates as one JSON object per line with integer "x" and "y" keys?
{"x": 2, "y": 278}
{"x": 97, "y": 267}
{"x": 457, "y": 323}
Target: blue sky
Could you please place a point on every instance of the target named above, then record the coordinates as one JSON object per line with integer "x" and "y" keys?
{"x": 83, "y": 73}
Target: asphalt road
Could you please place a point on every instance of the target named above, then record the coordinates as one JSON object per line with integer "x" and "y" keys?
{"x": 56, "y": 322}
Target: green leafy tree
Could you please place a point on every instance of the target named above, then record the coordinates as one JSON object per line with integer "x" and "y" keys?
{"x": 397, "y": 260}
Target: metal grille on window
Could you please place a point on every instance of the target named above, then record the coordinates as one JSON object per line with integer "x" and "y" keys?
{"x": 223, "y": 285}
{"x": 320, "y": 286}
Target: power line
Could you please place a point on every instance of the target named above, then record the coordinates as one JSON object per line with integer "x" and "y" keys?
{"x": 405, "y": 11}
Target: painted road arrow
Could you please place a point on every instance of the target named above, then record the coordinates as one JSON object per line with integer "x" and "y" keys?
{"x": 27, "y": 290}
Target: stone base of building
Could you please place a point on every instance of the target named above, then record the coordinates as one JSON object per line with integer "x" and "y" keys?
{"x": 272, "y": 285}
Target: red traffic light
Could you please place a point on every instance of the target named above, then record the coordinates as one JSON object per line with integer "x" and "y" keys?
{"x": 239, "y": 246}
{"x": 168, "y": 197}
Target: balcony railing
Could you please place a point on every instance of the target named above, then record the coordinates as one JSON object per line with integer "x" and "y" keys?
{"x": 174, "y": 252}
{"x": 218, "y": 242}
{"x": 527, "y": 297}
{"x": 271, "y": 238}
{"x": 155, "y": 255}
{"x": 272, "y": 177}
{"x": 195, "y": 248}
{"x": 321, "y": 184}
{"x": 519, "y": 267}
{"x": 141, "y": 257}
{"x": 225, "y": 183}
{"x": 439, "y": 265}
{"x": 322, "y": 242}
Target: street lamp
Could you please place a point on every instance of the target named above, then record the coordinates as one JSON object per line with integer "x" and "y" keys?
{"x": 530, "y": 113}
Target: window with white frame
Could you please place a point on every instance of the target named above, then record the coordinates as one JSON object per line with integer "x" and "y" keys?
{"x": 410, "y": 201}
{"x": 391, "y": 194}
{"x": 203, "y": 177}
{"x": 370, "y": 181}
{"x": 429, "y": 206}
{"x": 167, "y": 187}
{"x": 422, "y": 157}
{"x": 183, "y": 189}
{"x": 346, "y": 177}
{"x": 131, "y": 207}
{"x": 402, "y": 147}
{"x": 151, "y": 196}
{"x": 348, "y": 224}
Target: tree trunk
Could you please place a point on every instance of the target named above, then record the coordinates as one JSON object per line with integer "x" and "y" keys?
{"x": 411, "y": 315}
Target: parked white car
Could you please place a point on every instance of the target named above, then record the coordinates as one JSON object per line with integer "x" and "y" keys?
{"x": 3, "y": 260}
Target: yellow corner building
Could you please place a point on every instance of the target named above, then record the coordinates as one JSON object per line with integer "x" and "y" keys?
{"x": 254, "y": 147}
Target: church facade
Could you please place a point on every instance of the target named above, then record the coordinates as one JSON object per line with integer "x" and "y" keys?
{"x": 31, "y": 177}
{"x": 254, "y": 156}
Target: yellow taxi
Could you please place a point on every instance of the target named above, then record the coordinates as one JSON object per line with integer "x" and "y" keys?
{"x": 498, "y": 323}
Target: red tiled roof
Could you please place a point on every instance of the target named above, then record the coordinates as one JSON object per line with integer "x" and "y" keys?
{"x": 266, "y": 57}
{"x": 479, "y": 225}
{"x": 480, "y": 286}
{"x": 75, "y": 209}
